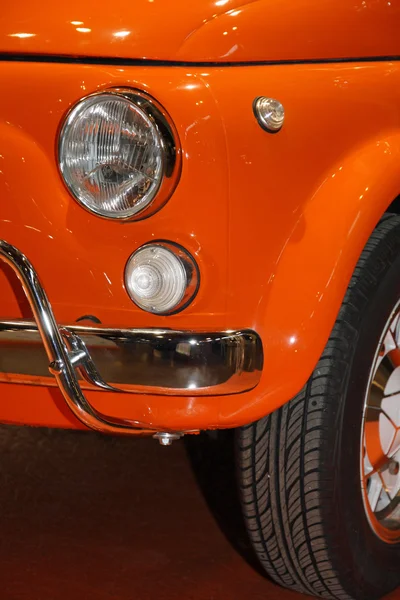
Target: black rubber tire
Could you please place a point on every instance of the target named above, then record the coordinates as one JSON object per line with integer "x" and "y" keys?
{"x": 299, "y": 468}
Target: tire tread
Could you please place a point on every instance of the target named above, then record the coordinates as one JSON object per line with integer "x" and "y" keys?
{"x": 282, "y": 502}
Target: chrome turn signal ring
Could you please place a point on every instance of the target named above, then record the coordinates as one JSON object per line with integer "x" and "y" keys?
{"x": 162, "y": 278}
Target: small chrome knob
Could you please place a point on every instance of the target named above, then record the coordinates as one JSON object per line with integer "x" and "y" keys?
{"x": 166, "y": 438}
{"x": 56, "y": 367}
{"x": 269, "y": 113}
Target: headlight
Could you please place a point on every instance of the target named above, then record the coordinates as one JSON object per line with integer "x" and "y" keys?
{"x": 161, "y": 277}
{"x": 118, "y": 154}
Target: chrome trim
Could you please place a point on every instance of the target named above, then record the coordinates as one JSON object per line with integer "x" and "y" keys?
{"x": 380, "y": 436}
{"x": 191, "y": 269}
{"x": 169, "y": 141}
{"x": 161, "y": 362}
{"x": 164, "y": 362}
{"x": 166, "y": 439}
{"x": 267, "y": 120}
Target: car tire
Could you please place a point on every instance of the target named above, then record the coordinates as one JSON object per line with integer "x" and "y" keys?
{"x": 300, "y": 469}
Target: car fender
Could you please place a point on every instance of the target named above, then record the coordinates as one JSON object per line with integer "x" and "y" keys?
{"x": 297, "y": 313}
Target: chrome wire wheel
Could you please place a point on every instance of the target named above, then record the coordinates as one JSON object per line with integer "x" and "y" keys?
{"x": 380, "y": 442}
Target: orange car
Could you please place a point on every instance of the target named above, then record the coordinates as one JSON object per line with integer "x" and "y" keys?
{"x": 200, "y": 229}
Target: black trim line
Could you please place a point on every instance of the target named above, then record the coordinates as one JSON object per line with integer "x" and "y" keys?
{"x": 139, "y": 62}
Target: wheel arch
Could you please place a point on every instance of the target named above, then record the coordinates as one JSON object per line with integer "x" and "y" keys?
{"x": 300, "y": 305}
{"x": 394, "y": 206}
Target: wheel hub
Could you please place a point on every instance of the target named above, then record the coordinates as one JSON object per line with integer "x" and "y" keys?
{"x": 381, "y": 436}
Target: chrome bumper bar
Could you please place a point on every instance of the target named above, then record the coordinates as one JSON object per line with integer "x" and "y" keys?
{"x": 77, "y": 357}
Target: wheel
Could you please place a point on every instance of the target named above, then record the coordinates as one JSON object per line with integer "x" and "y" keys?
{"x": 320, "y": 477}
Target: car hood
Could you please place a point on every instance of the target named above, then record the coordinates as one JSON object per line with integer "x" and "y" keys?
{"x": 202, "y": 30}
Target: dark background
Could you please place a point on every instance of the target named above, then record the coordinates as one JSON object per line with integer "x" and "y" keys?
{"x": 88, "y": 517}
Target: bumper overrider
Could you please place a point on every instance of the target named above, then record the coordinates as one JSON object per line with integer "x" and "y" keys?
{"x": 138, "y": 361}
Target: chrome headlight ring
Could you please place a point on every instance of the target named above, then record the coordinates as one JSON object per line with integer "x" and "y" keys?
{"x": 119, "y": 154}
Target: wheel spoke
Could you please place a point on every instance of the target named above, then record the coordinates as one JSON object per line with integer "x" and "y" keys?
{"x": 375, "y": 490}
{"x": 368, "y": 467}
{"x": 389, "y": 344}
{"x": 377, "y": 468}
{"x": 395, "y": 446}
{"x": 391, "y": 482}
{"x": 385, "y": 414}
{"x": 372, "y": 439}
{"x": 393, "y": 384}
{"x": 387, "y": 433}
{"x": 384, "y": 498}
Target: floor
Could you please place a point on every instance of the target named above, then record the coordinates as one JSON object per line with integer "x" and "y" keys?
{"x": 95, "y": 518}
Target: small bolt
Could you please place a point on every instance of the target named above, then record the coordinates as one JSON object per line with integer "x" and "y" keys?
{"x": 56, "y": 367}
{"x": 165, "y": 441}
{"x": 165, "y": 438}
{"x": 394, "y": 467}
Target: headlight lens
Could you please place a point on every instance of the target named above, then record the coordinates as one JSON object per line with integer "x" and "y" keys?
{"x": 117, "y": 153}
{"x": 161, "y": 278}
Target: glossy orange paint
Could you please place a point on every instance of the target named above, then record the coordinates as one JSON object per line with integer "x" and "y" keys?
{"x": 276, "y": 222}
{"x": 204, "y": 30}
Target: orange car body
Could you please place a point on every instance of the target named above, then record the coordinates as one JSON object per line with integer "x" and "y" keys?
{"x": 276, "y": 222}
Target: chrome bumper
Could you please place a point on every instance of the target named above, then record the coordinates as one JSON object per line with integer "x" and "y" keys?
{"x": 76, "y": 357}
